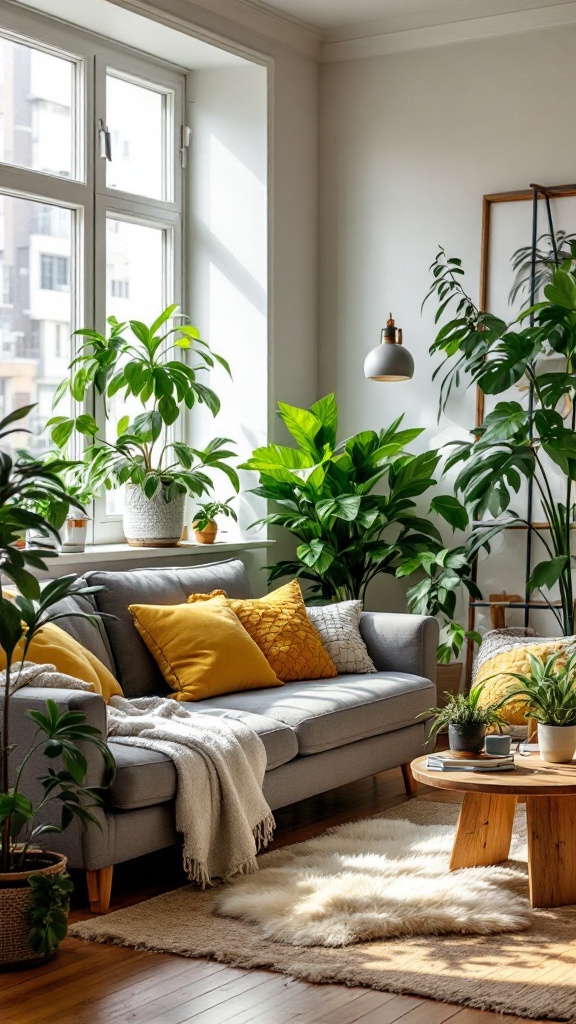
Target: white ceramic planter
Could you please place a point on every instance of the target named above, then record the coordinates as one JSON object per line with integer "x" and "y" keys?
{"x": 557, "y": 743}
{"x": 152, "y": 523}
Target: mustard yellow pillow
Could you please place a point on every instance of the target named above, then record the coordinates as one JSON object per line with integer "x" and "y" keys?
{"x": 279, "y": 624}
{"x": 202, "y": 649}
{"x": 53, "y": 646}
{"x": 515, "y": 659}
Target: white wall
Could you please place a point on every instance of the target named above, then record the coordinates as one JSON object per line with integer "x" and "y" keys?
{"x": 409, "y": 144}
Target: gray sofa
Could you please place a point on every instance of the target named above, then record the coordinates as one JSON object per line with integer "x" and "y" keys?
{"x": 318, "y": 734}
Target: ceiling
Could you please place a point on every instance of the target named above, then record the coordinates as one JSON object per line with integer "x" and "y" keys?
{"x": 332, "y": 16}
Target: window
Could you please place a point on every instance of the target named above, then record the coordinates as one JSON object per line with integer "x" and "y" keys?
{"x": 54, "y": 273}
{"x": 82, "y": 236}
{"x": 119, "y": 289}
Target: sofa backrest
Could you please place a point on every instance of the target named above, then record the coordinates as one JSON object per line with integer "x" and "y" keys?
{"x": 89, "y": 634}
{"x": 134, "y": 666}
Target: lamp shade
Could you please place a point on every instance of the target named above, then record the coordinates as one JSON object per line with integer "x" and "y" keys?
{"x": 389, "y": 360}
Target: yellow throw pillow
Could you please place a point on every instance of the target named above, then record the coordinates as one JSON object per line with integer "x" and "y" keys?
{"x": 53, "y": 646}
{"x": 202, "y": 649}
{"x": 515, "y": 659}
{"x": 279, "y": 624}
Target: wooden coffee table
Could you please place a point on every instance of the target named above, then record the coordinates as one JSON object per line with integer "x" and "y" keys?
{"x": 484, "y": 829}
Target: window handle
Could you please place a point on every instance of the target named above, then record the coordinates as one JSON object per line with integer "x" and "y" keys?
{"x": 105, "y": 141}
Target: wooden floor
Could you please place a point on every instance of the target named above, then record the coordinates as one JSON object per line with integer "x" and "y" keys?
{"x": 90, "y": 983}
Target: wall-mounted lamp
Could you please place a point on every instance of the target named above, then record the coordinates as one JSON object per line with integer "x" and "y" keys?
{"x": 389, "y": 360}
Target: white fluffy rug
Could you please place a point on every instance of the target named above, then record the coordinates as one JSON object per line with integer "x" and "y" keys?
{"x": 374, "y": 879}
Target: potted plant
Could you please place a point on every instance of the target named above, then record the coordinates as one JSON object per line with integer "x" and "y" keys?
{"x": 548, "y": 692}
{"x": 34, "y": 889}
{"x": 69, "y": 523}
{"x": 348, "y": 531}
{"x": 516, "y": 443}
{"x": 142, "y": 363}
{"x": 204, "y": 526}
{"x": 466, "y": 720}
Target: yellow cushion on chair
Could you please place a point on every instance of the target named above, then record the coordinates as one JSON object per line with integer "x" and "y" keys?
{"x": 202, "y": 649}
{"x": 53, "y": 646}
{"x": 515, "y": 659}
{"x": 279, "y": 624}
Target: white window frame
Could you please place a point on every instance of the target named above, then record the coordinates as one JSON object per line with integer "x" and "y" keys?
{"x": 87, "y": 194}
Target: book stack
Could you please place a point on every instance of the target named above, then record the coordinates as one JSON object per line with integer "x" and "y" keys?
{"x": 480, "y": 763}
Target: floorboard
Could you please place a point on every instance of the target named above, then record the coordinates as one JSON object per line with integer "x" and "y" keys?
{"x": 89, "y": 983}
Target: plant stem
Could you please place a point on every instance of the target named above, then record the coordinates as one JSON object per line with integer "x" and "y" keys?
{"x": 7, "y": 827}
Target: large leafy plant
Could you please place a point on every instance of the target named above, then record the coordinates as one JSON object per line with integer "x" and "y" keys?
{"x": 351, "y": 506}
{"x": 58, "y": 734}
{"x": 531, "y": 441}
{"x": 144, "y": 363}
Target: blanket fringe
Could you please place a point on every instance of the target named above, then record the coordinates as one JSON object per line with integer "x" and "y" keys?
{"x": 264, "y": 832}
{"x": 197, "y": 870}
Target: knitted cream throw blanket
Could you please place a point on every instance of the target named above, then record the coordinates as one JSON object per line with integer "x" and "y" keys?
{"x": 220, "y": 764}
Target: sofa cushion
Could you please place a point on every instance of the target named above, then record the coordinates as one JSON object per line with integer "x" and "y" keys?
{"x": 146, "y": 777}
{"x": 330, "y": 713}
{"x": 202, "y": 649}
{"x": 136, "y": 669}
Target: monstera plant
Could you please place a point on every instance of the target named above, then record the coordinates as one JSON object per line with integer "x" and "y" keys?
{"x": 518, "y": 440}
{"x": 351, "y": 506}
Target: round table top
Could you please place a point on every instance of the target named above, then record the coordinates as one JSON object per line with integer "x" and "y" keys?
{"x": 532, "y": 777}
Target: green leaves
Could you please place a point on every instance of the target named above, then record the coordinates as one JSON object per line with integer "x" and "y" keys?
{"x": 507, "y": 420}
{"x": 450, "y": 509}
{"x": 547, "y": 573}
{"x": 562, "y": 290}
{"x": 325, "y": 495}
{"x": 48, "y": 911}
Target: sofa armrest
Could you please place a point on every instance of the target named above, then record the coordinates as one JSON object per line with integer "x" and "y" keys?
{"x": 22, "y": 730}
{"x": 401, "y": 643}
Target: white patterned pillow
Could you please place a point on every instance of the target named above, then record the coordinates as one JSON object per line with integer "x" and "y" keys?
{"x": 338, "y": 626}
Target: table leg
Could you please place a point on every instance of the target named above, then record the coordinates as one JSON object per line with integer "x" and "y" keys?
{"x": 484, "y": 830}
{"x": 551, "y": 850}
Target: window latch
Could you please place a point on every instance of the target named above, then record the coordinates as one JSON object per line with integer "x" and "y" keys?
{"x": 185, "y": 133}
{"x": 104, "y": 141}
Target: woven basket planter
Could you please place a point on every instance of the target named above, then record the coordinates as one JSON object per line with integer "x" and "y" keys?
{"x": 15, "y": 902}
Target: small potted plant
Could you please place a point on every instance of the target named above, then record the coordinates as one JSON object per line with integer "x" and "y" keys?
{"x": 466, "y": 720}
{"x": 145, "y": 365}
{"x": 34, "y": 888}
{"x": 549, "y": 696}
{"x": 70, "y": 523}
{"x": 205, "y": 529}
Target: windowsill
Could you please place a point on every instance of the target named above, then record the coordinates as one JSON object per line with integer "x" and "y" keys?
{"x": 97, "y": 554}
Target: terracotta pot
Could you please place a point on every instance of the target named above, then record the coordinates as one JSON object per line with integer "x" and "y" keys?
{"x": 15, "y": 902}
{"x": 207, "y": 535}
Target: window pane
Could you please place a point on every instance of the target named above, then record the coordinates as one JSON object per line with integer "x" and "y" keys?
{"x": 137, "y": 121}
{"x": 134, "y": 291}
{"x": 36, "y": 109}
{"x": 35, "y": 309}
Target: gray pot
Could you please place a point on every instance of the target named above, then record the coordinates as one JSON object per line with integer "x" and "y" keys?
{"x": 466, "y": 741}
{"x": 152, "y": 523}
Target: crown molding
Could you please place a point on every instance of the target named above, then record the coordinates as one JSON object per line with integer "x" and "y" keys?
{"x": 376, "y": 44}
{"x": 266, "y": 22}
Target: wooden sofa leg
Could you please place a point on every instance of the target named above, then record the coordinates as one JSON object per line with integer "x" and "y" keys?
{"x": 99, "y": 889}
{"x": 410, "y": 784}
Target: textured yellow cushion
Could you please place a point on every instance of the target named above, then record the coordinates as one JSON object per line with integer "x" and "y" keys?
{"x": 279, "y": 624}
{"x": 515, "y": 659}
{"x": 202, "y": 649}
{"x": 53, "y": 646}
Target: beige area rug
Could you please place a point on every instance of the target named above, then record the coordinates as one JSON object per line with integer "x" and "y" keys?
{"x": 529, "y": 973}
